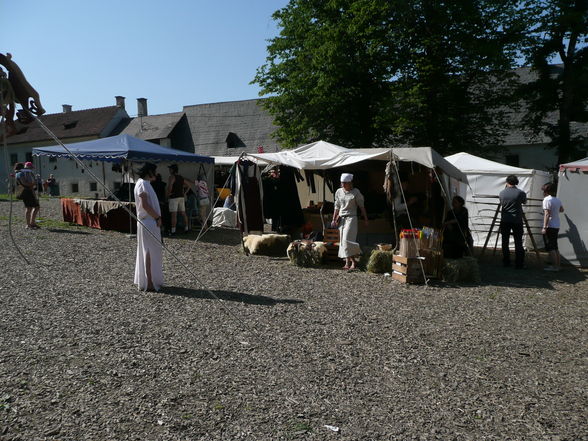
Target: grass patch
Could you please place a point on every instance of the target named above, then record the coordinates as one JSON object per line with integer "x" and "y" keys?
{"x": 300, "y": 427}
{"x": 52, "y": 223}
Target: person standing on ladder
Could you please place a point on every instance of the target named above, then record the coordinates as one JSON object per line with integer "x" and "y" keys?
{"x": 511, "y": 200}
{"x": 176, "y": 191}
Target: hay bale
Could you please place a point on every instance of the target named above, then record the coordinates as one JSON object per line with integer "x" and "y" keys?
{"x": 380, "y": 262}
{"x": 267, "y": 245}
{"x": 465, "y": 269}
{"x": 306, "y": 253}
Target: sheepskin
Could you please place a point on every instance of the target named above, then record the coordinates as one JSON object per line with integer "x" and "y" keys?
{"x": 306, "y": 253}
{"x": 267, "y": 244}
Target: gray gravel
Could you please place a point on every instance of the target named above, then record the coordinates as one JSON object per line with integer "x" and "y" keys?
{"x": 85, "y": 356}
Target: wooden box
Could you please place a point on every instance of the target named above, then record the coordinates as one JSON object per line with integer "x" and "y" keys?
{"x": 433, "y": 262}
{"x": 331, "y": 239}
{"x": 407, "y": 270}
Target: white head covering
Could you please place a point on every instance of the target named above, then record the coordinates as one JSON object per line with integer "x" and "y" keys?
{"x": 346, "y": 177}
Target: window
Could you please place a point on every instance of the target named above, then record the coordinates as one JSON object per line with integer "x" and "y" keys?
{"x": 75, "y": 188}
{"x": 93, "y": 186}
{"x": 512, "y": 160}
{"x": 13, "y": 158}
{"x": 29, "y": 156}
{"x": 69, "y": 125}
{"x": 233, "y": 141}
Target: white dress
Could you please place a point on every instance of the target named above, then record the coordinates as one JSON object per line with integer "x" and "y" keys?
{"x": 148, "y": 244}
{"x": 347, "y": 203}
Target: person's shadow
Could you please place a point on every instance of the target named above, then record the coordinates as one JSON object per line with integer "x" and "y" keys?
{"x": 228, "y": 296}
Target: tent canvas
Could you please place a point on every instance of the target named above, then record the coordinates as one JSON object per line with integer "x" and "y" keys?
{"x": 573, "y": 233}
{"x": 322, "y": 155}
{"x": 119, "y": 148}
{"x": 487, "y": 178}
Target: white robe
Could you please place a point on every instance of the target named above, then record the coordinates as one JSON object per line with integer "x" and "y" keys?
{"x": 148, "y": 244}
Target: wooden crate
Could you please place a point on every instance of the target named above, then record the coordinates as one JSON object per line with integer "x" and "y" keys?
{"x": 407, "y": 270}
{"x": 433, "y": 262}
{"x": 331, "y": 239}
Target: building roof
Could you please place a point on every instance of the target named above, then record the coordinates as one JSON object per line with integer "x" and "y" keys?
{"x": 153, "y": 126}
{"x": 521, "y": 136}
{"x": 74, "y": 124}
{"x": 244, "y": 124}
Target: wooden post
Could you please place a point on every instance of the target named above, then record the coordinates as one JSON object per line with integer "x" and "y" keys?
{"x": 532, "y": 239}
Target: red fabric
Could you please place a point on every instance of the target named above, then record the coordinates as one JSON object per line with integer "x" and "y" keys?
{"x": 117, "y": 220}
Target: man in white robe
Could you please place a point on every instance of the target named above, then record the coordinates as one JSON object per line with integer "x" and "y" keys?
{"x": 149, "y": 265}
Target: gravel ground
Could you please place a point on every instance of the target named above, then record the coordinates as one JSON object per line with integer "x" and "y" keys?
{"x": 85, "y": 356}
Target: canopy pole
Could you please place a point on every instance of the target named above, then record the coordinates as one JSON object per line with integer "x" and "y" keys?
{"x": 103, "y": 180}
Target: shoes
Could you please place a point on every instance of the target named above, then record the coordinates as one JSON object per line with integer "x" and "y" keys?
{"x": 551, "y": 269}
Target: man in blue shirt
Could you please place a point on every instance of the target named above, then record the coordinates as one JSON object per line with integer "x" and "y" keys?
{"x": 511, "y": 200}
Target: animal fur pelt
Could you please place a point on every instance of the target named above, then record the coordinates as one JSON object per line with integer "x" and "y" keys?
{"x": 306, "y": 253}
{"x": 267, "y": 244}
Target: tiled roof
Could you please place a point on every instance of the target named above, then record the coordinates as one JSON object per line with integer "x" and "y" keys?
{"x": 211, "y": 124}
{"x": 520, "y": 136}
{"x": 74, "y": 124}
{"x": 153, "y": 126}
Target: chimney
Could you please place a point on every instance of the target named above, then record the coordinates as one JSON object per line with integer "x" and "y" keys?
{"x": 141, "y": 106}
{"x": 120, "y": 101}
{"x": 66, "y": 108}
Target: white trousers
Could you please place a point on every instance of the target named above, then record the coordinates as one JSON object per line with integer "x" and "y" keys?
{"x": 348, "y": 245}
{"x": 149, "y": 245}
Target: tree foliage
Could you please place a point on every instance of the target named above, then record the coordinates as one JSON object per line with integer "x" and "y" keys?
{"x": 559, "y": 95}
{"x": 374, "y": 72}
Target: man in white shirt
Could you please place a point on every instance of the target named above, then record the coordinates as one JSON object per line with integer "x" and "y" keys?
{"x": 551, "y": 208}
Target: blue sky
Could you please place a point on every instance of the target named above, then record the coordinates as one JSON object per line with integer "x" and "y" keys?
{"x": 174, "y": 52}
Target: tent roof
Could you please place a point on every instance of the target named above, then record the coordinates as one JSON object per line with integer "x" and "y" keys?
{"x": 474, "y": 164}
{"x": 117, "y": 148}
{"x": 581, "y": 165}
{"x": 229, "y": 160}
{"x": 323, "y": 155}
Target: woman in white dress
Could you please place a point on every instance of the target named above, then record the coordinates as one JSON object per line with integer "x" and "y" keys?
{"x": 149, "y": 265}
{"x": 347, "y": 200}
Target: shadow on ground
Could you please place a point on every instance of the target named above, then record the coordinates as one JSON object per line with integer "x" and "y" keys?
{"x": 61, "y": 230}
{"x": 229, "y": 296}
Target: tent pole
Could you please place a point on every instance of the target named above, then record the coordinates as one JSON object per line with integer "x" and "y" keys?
{"x": 103, "y": 180}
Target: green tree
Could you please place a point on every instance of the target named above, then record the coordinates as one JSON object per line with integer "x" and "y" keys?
{"x": 559, "y": 95}
{"x": 457, "y": 78}
{"x": 376, "y": 72}
{"x": 328, "y": 72}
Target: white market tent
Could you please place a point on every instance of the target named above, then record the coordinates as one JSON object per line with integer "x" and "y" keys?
{"x": 487, "y": 178}
{"x": 322, "y": 155}
{"x": 573, "y": 233}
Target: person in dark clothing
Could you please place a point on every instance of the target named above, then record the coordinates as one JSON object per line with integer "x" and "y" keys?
{"x": 456, "y": 234}
{"x": 511, "y": 200}
{"x": 176, "y": 192}
{"x": 159, "y": 188}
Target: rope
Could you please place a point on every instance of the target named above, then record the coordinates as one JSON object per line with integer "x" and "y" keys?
{"x": 8, "y": 180}
{"x": 412, "y": 228}
{"x": 232, "y": 315}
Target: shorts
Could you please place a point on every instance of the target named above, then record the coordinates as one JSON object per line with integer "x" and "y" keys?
{"x": 177, "y": 204}
{"x": 29, "y": 198}
{"x": 550, "y": 238}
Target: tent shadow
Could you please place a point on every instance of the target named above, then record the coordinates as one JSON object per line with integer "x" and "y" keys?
{"x": 229, "y": 296}
{"x": 531, "y": 277}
